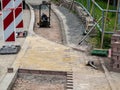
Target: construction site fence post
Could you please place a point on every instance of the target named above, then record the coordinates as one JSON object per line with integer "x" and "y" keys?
{"x": 88, "y": 5}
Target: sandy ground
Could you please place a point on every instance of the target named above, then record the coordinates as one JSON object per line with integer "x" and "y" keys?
{"x": 39, "y": 82}
{"x": 53, "y": 33}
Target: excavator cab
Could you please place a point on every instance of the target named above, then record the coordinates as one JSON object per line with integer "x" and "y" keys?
{"x": 44, "y": 14}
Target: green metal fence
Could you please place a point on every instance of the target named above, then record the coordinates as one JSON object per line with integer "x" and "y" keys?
{"x": 98, "y": 10}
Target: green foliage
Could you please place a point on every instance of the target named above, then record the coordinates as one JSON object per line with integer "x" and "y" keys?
{"x": 95, "y": 41}
{"x": 107, "y": 41}
{"x": 97, "y": 13}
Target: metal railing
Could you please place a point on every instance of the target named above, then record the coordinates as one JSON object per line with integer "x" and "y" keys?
{"x": 103, "y": 11}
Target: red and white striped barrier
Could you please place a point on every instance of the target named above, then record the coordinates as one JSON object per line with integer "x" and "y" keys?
{"x": 8, "y": 20}
{"x": 7, "y": 4}
{"x": 18, "y": 13}
{"x": 18, "y": 3}
{"x": 18, "y": 18}
{"x": 8, "y": 25}
{"x": 12, "y": 18}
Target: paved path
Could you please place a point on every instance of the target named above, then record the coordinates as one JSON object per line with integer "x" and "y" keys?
{"x": 43, "y": 54}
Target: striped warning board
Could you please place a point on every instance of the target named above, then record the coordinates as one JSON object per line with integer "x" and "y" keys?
{"x": 18, "y": 13}
{"x": 18, "y": 18}
{"x": 18, "y": 3}
{"x": 8, "y": 25}
{"x": 7, "y": 4}
{"x": 8, "y": 20}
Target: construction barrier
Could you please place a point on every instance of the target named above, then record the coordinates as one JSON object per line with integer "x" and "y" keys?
{"x": 8, "y": 20}
{"x": 18, "y": 14}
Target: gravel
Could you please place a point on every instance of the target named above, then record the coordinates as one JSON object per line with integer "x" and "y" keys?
{"x": 39, "y": 82}
{"x": 75, "y": 26}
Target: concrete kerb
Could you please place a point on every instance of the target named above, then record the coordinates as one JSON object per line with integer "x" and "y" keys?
{"x": 32, "y": 21}
{"x": 64, "y": 26}
{"x": 107, "y": 74}
{"x": 8, "y": 80}
{"x": 61, "y": 25}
